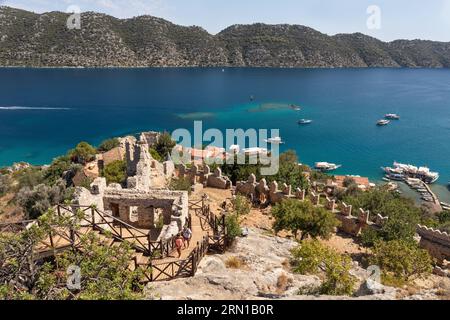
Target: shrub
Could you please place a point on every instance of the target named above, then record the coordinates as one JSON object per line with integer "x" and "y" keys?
{"x": 181, "y": 184}
{"x": 41, "y": 198}
{"x": 108, "y": 145}
{"x": 241, "y": 205}
{"x": 83, "y": 153}
{"x": 5, "y": 184}
{"x": 233, "y": 227}
{"x": 104, "y": 271}
{"x": 312, "y": 257}
{"x": 234, "y": 263}
{"x": 115, "y": 172}
{"x": 29, "y": 177}
{"x": 401, "y": 259}
{"x": 57, "y": 169}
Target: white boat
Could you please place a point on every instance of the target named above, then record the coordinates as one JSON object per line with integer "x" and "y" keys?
{"x": 392, "y": 116}
{"x": 304, "y": 121}
{"x": 296, "y": 108}
{"x": 409, "y": 171}
{"x": 325, "y": 166}
{"x": 275, "y": 140}
{"x": 383, "y": 122}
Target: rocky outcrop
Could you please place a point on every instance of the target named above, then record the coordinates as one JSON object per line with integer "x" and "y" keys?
{"x": 263, "y": 273}
{"x": 29, "y": 39}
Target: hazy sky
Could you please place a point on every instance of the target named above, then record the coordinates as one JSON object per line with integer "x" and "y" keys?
{"x": 406, "y": 19}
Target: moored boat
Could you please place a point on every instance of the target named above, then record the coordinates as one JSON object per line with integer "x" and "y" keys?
{"x": 412, "y": 172}
{"x": 325, "y": 166}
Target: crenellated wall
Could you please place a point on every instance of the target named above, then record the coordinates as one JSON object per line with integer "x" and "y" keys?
{"x": 436, "y": 242}
{"x": 204, "y": 176}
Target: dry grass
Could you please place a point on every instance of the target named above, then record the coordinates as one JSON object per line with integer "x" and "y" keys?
{"x": 235, "y": 263}
{"x": 283, "y": 282}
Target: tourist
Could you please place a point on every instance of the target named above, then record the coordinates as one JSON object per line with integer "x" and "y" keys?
{"x": 179, "y": 244}
{"x": 187, "y": 236}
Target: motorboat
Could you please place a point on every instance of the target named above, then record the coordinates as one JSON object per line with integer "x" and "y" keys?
{"x": 325, "y": 166}
{"x": 275, "y": 140}
{"x": 392, "y": 116}
{"x": 383, "y": 122}
{"x": 304, "y": 121}
{"x": 296, "y": 108}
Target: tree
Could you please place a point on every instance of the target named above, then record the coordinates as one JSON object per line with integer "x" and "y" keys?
{"x": 115, "y": 172}
{"x": 108, "y": 145}
{"x": 402, "y": 222}
{"x": 312, "y": 257}
{"x": 83, "y": 153}
{"x": 294, "y": 215}
{"x": 401, "y": 259}
{"x": 241, "y": 205}
{"x": 165, "y": 145}
{"x": 29, "y": 177}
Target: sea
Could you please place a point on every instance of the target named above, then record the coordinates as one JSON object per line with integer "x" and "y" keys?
{"x": 45, "y": 112}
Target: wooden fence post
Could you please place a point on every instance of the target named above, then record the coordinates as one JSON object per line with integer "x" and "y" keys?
{"x": 93, "y": 217}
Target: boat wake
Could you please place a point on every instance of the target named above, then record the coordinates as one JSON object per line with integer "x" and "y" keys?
{"x": 32, "y": 108}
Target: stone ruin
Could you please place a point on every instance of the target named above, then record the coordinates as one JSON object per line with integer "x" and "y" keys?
{"x": 143, "y": 203}
{"x": 436, "y": 242}
{"x": 204, "y": 176}
{"x": 271, "y": 193}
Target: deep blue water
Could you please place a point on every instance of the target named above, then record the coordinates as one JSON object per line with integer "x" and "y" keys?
{"x": 94, "y": 104}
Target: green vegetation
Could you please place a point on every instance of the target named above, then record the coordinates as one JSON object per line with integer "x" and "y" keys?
{"x": 403, "y": 214}
{"x": 312, "y": 257}
{"x": 181, "y": 184}
{"x": 290, "y": 172}
{"x": 5, "y": 184}
{"x": 233, "y": 226}
{"x": 400, "y": 260}
{"x": 29, "y": 177}
{"x": 104, "y": 271}
{"x": 108, "y": 145}
{"x": 241, "y": 205}
{"x": 83, "y": 153}
{"x": 37, "y": 200}
{"x": 295, "y": 216}
{"x": 155, "y": 155}
{"x": 165, "y": 145}
{"x": 57, "y": 169}
{"x": 115, "y": 172}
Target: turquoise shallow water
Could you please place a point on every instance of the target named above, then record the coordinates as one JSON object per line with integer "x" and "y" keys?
{"x": 44, "y": 112}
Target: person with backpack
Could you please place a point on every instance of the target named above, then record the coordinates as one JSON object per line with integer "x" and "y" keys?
{"x": 187, "y": 236}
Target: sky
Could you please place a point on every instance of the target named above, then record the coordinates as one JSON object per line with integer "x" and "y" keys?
{"x": 392, "y": 19}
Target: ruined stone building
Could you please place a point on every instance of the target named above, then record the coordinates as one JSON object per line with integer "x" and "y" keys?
{"x": 144, "y": 202}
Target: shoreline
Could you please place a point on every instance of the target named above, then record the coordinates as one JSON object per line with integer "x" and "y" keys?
{"x": 225, "y": 67}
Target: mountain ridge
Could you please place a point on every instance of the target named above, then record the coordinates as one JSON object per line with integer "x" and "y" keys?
{"x": 43, "y": 40}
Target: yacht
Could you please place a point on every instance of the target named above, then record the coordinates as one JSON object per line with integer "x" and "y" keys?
{"x": 383, "y": 122}
{"x": 392, "y": 116}
{"x": 325, "y": 166}
{"x": 276, "y": 140}
{"x": 296, "y": 108}
{"x": 304, "y": 121}
{"x": 409, "y": 171}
